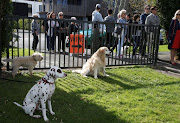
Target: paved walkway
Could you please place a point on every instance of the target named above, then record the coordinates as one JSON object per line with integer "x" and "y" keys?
{"x": 165, "y": 67}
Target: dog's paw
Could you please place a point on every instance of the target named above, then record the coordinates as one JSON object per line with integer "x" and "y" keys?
{"x": 46, "y": 119}
{"x": 37, "y": 116}
{"x": 52, "y": 113}
{"x": 96, "y": 77}
{"x": 84, "y": 76}
{"x": 106, "y": 75}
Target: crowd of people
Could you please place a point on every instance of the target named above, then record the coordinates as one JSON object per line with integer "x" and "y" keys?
{"x": 141, "y": 37}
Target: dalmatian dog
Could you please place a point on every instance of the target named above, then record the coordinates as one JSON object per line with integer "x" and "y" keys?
{"x": 41, "y": 92}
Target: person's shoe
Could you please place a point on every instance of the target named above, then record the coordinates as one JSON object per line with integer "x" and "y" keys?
{"x": 172, "y": 63}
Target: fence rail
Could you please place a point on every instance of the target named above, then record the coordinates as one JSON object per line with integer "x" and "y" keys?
{"x": 70, "y": 47}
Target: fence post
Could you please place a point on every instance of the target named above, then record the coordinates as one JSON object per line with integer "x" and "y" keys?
{"x": 157, "y": 44}
{"x": 0, "y": 46}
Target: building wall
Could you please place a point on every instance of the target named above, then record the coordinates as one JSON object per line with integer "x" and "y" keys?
{"x": 82, "y": 10}
{"x": 36, "y": 6}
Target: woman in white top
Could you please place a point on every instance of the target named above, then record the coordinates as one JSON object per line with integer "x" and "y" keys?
{"x": 122, "y": 19}
{"x": 51, "y": 37}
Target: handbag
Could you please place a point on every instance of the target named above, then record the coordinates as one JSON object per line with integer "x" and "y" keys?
{"x": 118, "y": 30}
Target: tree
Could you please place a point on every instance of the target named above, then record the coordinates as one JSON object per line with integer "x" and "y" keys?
{"x": 137, "y": 5}
{"x": 5, "y": 9}
{"x": 118, "y": 5}
{"x": 167, "y": 8}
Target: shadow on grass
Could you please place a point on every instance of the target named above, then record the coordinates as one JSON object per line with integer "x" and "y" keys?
{"x": 69, "y": 107}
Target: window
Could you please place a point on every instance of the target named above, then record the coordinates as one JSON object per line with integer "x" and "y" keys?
{"x": 40, "y": 8}
{"x": 74, "y": 2}
{"x": 29, "y": 9}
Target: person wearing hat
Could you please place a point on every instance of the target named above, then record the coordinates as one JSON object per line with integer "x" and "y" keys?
{"x": 96, "y": 17}
{"x": 152, "y": 21}
{"x": 73, "y": 27}
{"x": 35, "y": 31}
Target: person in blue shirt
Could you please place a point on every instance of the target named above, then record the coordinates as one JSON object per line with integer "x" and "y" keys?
{"x": 145, "y": 14}
{"x": 143, "y": 17}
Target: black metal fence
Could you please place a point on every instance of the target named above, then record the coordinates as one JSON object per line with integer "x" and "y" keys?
{"x": 69, "y": 46}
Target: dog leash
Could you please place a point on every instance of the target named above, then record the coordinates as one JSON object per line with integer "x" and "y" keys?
{"x": 44, "y": 80}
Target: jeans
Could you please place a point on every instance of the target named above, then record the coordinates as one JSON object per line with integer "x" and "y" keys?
{"x": 50, "y": 41}
{"x": 120, "y": 44}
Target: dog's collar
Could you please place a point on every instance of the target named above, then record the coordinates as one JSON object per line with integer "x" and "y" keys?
{"x": 44, "y": 80}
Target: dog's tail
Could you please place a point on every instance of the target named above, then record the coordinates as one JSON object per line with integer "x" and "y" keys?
{"x": 8, "y": 60}
{"x": 77, "y": 71}
{"x": 18, "y": 105}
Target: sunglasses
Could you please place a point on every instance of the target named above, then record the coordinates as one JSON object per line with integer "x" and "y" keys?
{"x": 147, "y": 8}
{"x": 178, "y": 14}
{"x": 61, "y": 15}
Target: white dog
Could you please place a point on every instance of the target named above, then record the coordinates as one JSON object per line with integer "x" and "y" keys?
{"x": 28, "y": 61}
{"x": 42, "y": 92}
{"x": 95, "y": 64}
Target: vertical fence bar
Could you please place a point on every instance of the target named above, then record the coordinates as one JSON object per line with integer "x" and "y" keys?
{"x": 23, "y": 38}
{"x": 7, "y": 50}
{"x": 29, "y": 35}
{"x": 157, "y": 45}
{"x": 0, "y": 46}
{"x": 18, "y": 35}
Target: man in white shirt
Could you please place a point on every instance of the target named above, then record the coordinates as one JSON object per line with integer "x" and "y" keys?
{"x": 96, "y": 17}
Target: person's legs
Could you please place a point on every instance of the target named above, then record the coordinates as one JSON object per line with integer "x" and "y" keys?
{"x": 48, "y": 41}
{"x": 135, "y": 45}
{"x": 35, "y": 41}
{"x": 173, "y": 53}
{"x": 53, "y": 38}
{"x": 63, "y": 41}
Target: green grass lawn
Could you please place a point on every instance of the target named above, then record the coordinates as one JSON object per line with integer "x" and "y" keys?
{"x": 130, "y": 94}
{"x": 163, "y": 48}
{"x": 16, "y": 52}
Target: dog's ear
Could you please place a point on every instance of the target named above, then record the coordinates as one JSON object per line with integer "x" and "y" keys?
{"x": 102, "y": 49}
{"x": 34, "y": 56}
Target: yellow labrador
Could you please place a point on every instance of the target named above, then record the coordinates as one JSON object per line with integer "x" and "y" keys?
{"x": 95, "y": 64}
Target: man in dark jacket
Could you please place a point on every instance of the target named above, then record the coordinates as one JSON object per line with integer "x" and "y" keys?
{"x": 109, "y": 27}
{"x": 144, "y": 35}
{"x": 62, "y": 31}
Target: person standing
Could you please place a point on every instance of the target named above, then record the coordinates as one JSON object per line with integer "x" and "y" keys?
{"x": 174, "y": 36}
{"x": 145, "y": 14}
{"x": 45, "y": 26}
{"x": 96, "y": 17}
{"x": 152, "y": 20}
{"x": 73, "y": 27}
{"x": 136, "y": 33}
{"x": 62, "y": 31}
{"x": 143, "y": 17}
{"x": 109, "y": 28}
{"x": 129, "y": 34}
{"x": 51, "y": 37}
{"x": 35, "y": 32}
{"x": 122, "y": 20}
